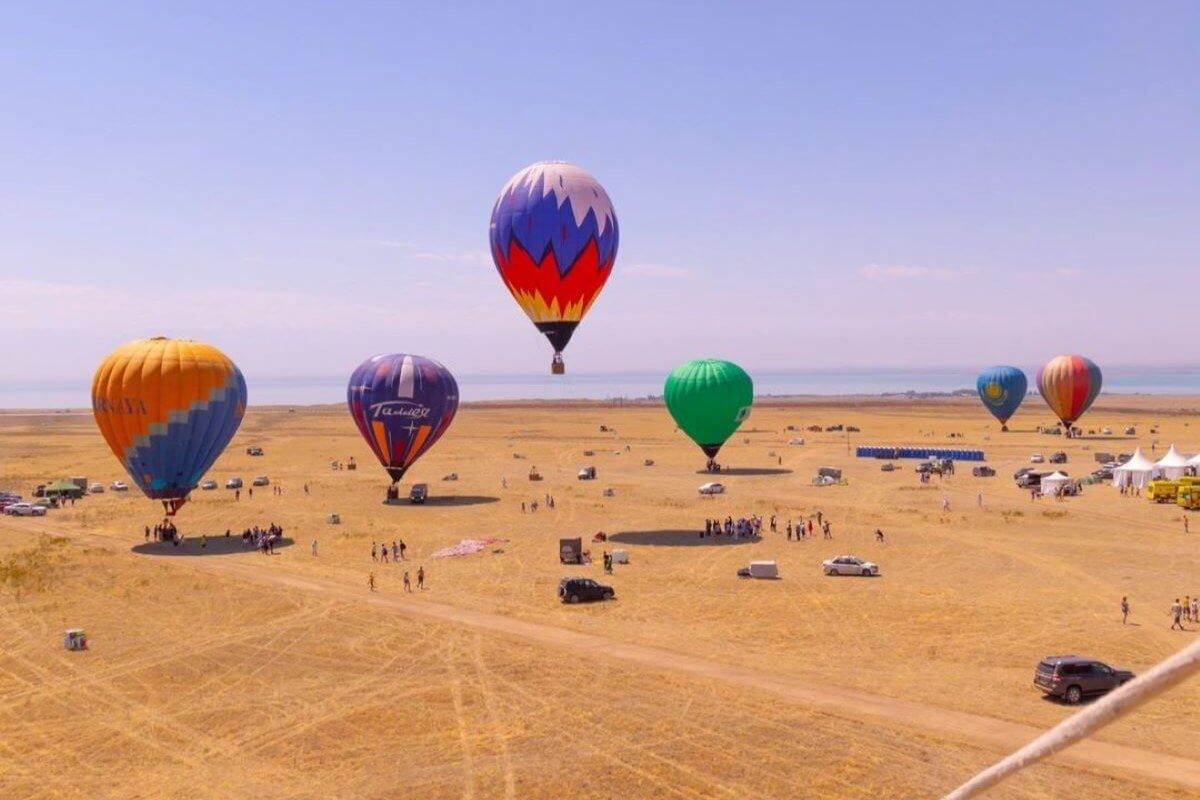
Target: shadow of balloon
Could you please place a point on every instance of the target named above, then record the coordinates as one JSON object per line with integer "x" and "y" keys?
{"x": 448, "y": 500}
{"x": 746, "y": 471}
{"x": 217, "y": 546}
{"x": 675, "y": 538}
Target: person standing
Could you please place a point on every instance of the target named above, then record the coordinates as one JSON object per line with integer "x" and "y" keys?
{"x": 1124, "y": 610}
{"x": 395, "y": 552}
{"x": 407, "y": 583}
{"x": 981, "y": 499}
{"x": 1185, "y": 523}
{"x": 314, "y": 547}
{"x": 148, "y": 532}
{"x": 879, "y": 535}
{"x": 789, "y": 530}
{"x": 825, "y": 529}
{"x": 1177, "y": 614}
{"x": 383, "y": 553}
{"x": 420, "y": 577}
{"x": 403, "y": 547}
{"x": 374, "y": 551}
{"x": 371, "y": 581}
{"x": 945, "y": 504}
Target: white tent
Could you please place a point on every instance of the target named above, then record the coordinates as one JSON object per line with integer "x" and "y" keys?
{"x": 1173, "y": 465}
{"x": 1136, "y": 472}
{"x": 1054, "y": 483}
{"x": 1194, "y": 463}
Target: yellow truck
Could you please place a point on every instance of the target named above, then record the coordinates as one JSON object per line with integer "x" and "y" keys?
{"x": 1189, "y": 496}
{"x": 1163, "y": 491}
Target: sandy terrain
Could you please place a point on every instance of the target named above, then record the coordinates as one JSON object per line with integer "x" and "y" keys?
{"x": 231, "y": 674}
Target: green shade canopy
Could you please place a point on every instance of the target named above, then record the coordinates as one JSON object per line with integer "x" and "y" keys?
{"x": 62, "y": 487}
{"x": 709, "y": 400}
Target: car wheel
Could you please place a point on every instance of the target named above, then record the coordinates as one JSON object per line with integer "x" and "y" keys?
{"x": 866, "y": 573}
{"x": 573, "y": 598}
{"x": 608, "y": 595}
{"x": 830, "y": 571}
{"x": 1074, "y": 695}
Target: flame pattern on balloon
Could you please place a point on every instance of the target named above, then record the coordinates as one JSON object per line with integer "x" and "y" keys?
{"x": 167, "y": 409}
{"x": 554, "y": 239}
{"x": 402, "y": 404}
{"x": 1069, "y": 384}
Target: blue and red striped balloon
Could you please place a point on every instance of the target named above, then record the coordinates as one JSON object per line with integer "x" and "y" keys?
{"x": 402, "y": 405}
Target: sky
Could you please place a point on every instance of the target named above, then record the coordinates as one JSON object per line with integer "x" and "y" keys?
{"x": 798, "y": 185}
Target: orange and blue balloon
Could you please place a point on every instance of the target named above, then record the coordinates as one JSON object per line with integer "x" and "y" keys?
{"x": 1002, "y": 389}
{"x": 167, "y": 408}
{"x": 402, "y": 404}
{"x": 554, "y": 241}
{"x": 1069, "y": 384}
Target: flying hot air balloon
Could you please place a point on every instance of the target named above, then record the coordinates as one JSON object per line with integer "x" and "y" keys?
{"x": 554, "y": 240}
{"x": 402, "y": 405}
{"x": 709, "y": 400}
{"x": 167, "y": 408}
{"x": 1002, "y": 389}
{"x": 1069, "y": 384}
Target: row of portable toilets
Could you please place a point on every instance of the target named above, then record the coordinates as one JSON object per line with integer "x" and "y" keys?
{"x": 921, "y": 452}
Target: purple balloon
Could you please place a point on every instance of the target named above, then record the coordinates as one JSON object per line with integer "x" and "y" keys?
{"x": 402, "y": 405}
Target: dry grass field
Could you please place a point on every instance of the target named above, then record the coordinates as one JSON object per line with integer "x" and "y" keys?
{"x": 225, "y": 673}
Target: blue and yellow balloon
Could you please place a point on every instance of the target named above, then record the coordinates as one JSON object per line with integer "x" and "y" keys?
{"x": 1002, "y": 389}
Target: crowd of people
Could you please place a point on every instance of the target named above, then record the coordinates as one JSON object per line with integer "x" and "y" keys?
{"x": 379, "y": 553}
{"x": 263, "y": 539}
{"x": 742, "y": 528}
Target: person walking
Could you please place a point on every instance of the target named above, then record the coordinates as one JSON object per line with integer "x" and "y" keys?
{"x": 825, "y": 529}
{"x": 395, "y": 552}
{"x": 810, "y": 525}
{"x": 1196, "y": 609}
{"x": 420, "y": 577}
{"x": 1124, "y": 610}
{"x": 147, "y": 533}
{"x": 407, "y": 583}
{"x": 789, "y": 530}
{"x": 1177, "y": 614}
{"x": 980, "y": 499}
{"x": 879, "y": 535}
{"x": 383, "y": 553}
{"x": 314, "y": 547}
{"x": 237, "y": 494}
{"x": 403, "y": 547}
{"x": 374, "y": 551}
{"x": 945, "y": 504}
{"x": 1185, "y": 523}
{"x": 371, "y": 581}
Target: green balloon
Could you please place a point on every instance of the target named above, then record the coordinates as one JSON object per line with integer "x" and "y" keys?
{"x": 709, "y": 399}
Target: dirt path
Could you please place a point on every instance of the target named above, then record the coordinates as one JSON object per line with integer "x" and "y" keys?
{"x": 829, "y": 699}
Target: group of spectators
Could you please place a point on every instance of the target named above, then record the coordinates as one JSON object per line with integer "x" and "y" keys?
{"x": 263, "y": 539}
{"x": 742, "y": 528}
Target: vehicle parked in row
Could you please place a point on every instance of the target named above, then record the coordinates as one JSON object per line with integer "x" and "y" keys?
{"x": 208, "y": 485}
{"x": 888, "y": 467}
{"x": 587, "y": 474}
{"x": 983, "y": 472}
{"x": 25, "y": 510}
{"x": 850, "y": 565}
{"x": 96, "y": 488}
{"x": 1072, "y": 678}
{"x": 1058, "y": 458}
{"x": 254, "y": 451}
{"x": 584, "y": 590}
{"x": 233, "y": 483}
{"x": 1037, "y": 458}
{"x": 261, "y": 480}
{"x": 713, "y": 488}
{"x": 1103, "y": 474}
{"x": 120, "y": 486}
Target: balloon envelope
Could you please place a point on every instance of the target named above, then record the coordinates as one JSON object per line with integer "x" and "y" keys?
{"x": 1069, "y": 384}
{"x": 709, "y": 400}
{"x": 1002, "y": 389}
{"x": 167, "y": 408}
{"x": 402, "y": 405}
{"x": 554, "y": 239}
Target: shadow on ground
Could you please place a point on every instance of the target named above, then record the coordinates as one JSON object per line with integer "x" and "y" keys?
{"x": 444, "y": 501}
{"x": 745, "y": 471}
{"x": 674, "y": 538}
{"x": 217, "y": 546}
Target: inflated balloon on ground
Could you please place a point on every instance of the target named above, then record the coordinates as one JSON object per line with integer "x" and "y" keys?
{"x": 709, "y": 400}
{"x": 402, "y": 404}
{"x": 167, "y": 408}
{"x": 1069, "y": 384}
{"x": 1002, "y": 389}
{"x": 554, "y": 239}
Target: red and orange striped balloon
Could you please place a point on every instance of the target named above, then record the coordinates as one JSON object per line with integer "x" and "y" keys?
{"x": 1069, "y": 384}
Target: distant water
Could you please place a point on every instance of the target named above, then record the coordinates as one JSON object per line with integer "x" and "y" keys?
{"x": 597, "y": 386}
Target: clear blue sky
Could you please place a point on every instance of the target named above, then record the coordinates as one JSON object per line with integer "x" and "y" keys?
{"x": 798, "y": 185}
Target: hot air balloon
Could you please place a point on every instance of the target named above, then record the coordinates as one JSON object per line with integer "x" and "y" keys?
{"x": 167, "y": 408}
{"x": 402, "y": 405}
{"x": 1069, "y": 384}
{"x": 709, "y": 400}
{"x": 554, "y": 240}
{"x": 1002, "y": 389}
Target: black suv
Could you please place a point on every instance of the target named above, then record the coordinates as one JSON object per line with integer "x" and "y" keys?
{"x": 1072, "y": 677}
{"x": 583, "y": 590}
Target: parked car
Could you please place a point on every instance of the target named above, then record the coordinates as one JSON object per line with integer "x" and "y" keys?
{"x": 888, "y": 467}
{"x": 587, "y": 474}
{"x": 208, "y": 485}
{"x": 850, "y": 565}
{"x": 1036, "y": 458}
{"x": 1058, "y": 458}
{"x": 120, "y": 486}
{"x": 583, "y": 590}
{"x": 233, "y": 483}
{"x": 254, "y": 451}
{"x": 983, "y": 472}
{"x": 96, "y": 488}
{"x": 1022, "y": 471}
{"x": 261, "y": 480}
{"x": 25, "y": 510}
{"x": 418, "y": 493}
{"x": 1103, "y": 474}
{"x": 1071, "y": 678}
{"x": 713, "y": 488}
{"x": 852, "y": 429}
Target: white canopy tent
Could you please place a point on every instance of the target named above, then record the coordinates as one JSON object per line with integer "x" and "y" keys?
{"x": 1053, "y": 483}
{"x": 1136, "y": 472}
{"x": 1194, "y": 463}
{"x": 1173, "y": 465}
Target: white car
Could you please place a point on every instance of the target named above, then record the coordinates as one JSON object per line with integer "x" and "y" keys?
{"x": 208, "y": 485}
{"x": 1036, "y": 458}
{"x": 850, "y": 565}
{"x": 712, "y": 488}
{"x": 25, "y": 510}
{"x": 96, "y": 488}
{"x": 120, "y": 486}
